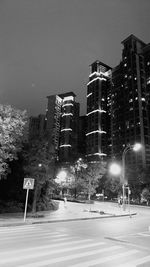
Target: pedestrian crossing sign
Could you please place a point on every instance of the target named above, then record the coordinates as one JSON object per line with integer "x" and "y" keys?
{"x": 28, "y": 183}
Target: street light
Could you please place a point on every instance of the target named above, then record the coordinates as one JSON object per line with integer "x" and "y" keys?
{"x": 115, "y": 169}
{"x": 136, "y": 147}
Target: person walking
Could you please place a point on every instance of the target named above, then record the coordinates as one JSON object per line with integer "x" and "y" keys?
{"x": 65, "y": 202}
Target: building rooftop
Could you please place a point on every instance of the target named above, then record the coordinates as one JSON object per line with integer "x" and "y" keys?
{"x": 100, "y": 63}
{"x": 131, "y": 36}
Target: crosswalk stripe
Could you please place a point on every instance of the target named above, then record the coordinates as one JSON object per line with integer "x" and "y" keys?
{"x": 45, "y": 235}
{"x": 16, "y": 251}
{"x": 27, "y": 233}
{"x": 144, "y": 234}
{"x": 105, "y": 259}
{"x": 69, "y": 257}
{"x": 16, "y": 228}
{"x": 136, "y": 262}
{"x": 50, "y": 252}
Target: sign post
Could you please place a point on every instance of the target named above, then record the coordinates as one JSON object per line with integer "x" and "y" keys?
{"x": 28, "y": 184}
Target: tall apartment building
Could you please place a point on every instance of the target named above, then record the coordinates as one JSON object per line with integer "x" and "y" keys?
{"x": 98, "y": 136}
{"x": 82, "y": 126}
{"x": 130, "y": 101}
{"x": 36, "y": 127}
{"x": 59, "y": 126}
{"x": 68, "y": 146}
{"x": 53, "y": 118}
{"x": 146, "y": 53}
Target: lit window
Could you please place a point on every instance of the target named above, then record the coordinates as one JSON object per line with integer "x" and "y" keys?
{"x": 67, "y": 129}
{"x": 66, "y": 98}
{"x": 68, "y": 104}
{"x": 98, "y": 78}
{"x": 65, "y": 145}
{"x": 89, "y": 94}
{"x": 67, "y": 114}
{"x": 148, "y": 80}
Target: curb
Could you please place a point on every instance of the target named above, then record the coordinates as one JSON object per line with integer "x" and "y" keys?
{"x": 65, "y": 220}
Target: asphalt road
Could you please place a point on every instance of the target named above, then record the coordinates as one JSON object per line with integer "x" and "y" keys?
{"x": 109, "y": 242}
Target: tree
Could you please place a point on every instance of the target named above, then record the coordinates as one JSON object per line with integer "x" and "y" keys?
{"x": 88, "y": 176}
{"x": 112, "y": 186}
{"x": 146, "y": 195}
{"x": 40, "y": 165}
{"x": 137, "y": 180}
{"x": 12, "y": 124}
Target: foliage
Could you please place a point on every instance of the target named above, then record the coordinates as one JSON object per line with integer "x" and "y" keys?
{"x": 12, "y": 123}
{"x": 112, "y": 186}
{"x": 11, "y": 207}
{"x": 146, "y": 194}
{"x": 11, "y": 189}
{"x": 40, "y": 165}
{"x": 87, "y": 176}
{"x": 137, "y": 179}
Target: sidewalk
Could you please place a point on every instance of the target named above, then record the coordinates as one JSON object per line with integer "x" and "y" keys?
{"x": 69, "y": 212}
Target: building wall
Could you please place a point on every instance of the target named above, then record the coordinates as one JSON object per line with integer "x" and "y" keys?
{"x": 36, "y": 126}
{"x": 82, "y": 128}
{"x": 130, "y": 123}
{"x": 98, "y": 136}
{"x": 53, "y": 117}
{"x": 69, "y": 128}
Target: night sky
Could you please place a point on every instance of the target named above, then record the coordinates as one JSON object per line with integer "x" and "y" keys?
{"x": 47, "y": 45}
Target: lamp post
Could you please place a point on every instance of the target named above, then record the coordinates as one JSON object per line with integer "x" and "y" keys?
{"x": 135, "y": 148}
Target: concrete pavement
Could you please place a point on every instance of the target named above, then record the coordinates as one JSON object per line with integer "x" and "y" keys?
{"x": 68, "y": 212}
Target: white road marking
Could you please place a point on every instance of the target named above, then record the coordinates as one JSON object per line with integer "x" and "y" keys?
{"x": 105, "y": 259}
{"x": 144, "y": 234}
{"x": 136, "y": 262}
{"x": 49, "y": 251}
{"x": 24, "y": 250}
{"x": 34, "y": 236}
{"x": 69, "y": 257}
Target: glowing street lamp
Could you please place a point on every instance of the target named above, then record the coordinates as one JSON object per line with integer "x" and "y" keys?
{"x": 136, "y": 147}
{"x": 61, "y": 177}
{"x": 115, "y": 169}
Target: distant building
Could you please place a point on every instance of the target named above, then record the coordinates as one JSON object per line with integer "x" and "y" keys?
{"x": 131, "y": 102}
{"x": 53, "y": 119}
{"x": 82, "y": 128}
{"x": 59, "y": 126}
{"x": 68, "y": 147}
{"x": 98, "y": 135}
{"x": 36, "y": 126}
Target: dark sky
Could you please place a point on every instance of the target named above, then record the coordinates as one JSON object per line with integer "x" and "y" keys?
{"x": 47, "y": 45}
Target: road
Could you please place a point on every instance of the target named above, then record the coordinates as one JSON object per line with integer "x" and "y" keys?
{"x": 119, "y": 242}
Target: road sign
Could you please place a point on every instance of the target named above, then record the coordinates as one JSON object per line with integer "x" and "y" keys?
{"x": 28, "y": 183}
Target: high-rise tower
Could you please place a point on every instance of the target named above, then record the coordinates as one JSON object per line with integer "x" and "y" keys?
{"x": 130, "y": 123}
{"x": 68, "y": 127}
{"x": 98, "y": 136}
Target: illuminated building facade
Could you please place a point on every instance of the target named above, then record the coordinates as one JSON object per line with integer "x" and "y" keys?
{"x": 130, "y": 101}
{"x": 68, "y": 145}
{"x": 98, "y": 135}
